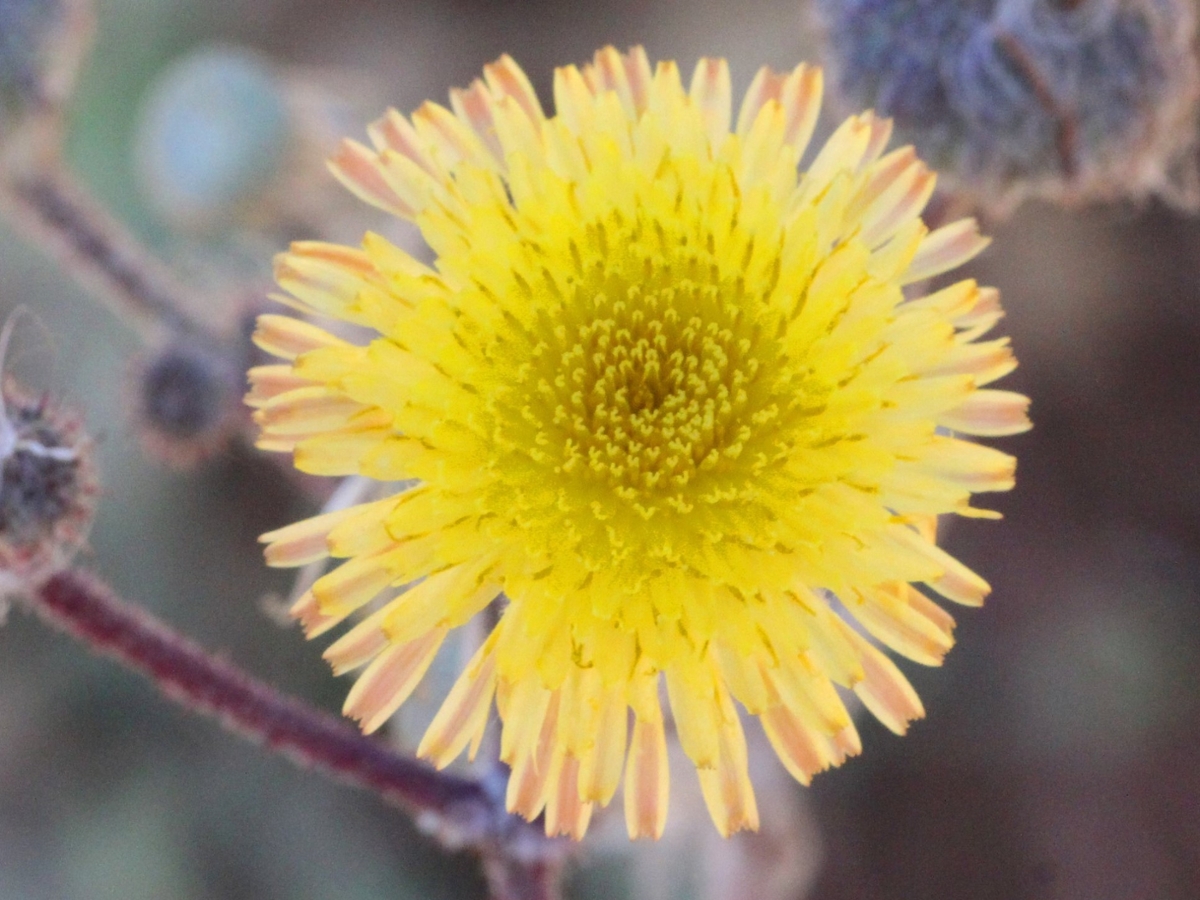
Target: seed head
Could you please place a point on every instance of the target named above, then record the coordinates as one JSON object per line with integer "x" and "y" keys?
{"x": 1091, "y": 99}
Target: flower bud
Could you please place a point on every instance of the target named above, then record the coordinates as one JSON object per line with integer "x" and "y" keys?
{"x": 187, "y": 399}
{"x": 211, "y": 134}
{"x": 227, "y": 137}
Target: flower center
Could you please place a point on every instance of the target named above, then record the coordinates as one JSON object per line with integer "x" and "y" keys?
{"x": 651, "y": 367}
{"x": 654, "y": 389}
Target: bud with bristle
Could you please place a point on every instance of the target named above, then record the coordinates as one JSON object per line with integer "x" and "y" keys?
{"x": 47, "y": 488}
{"x": 1072, "y": 100}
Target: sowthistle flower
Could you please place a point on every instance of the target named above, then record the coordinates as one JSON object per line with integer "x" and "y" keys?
{"x": 662, "y": 395}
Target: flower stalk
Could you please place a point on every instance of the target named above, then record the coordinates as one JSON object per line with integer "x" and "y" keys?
{"x": 519, "y": 862}
{"x": 47, "y": 203}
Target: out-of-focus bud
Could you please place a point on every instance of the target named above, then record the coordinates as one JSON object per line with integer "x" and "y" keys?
{"x": 187, "y": 400}
{"x": 212, "y": 134}
{"x": 47, "y": 489}
{"x": 226, "y": 137}
{"x": 1072, "y": 100}
{"x": 41, "y": 45}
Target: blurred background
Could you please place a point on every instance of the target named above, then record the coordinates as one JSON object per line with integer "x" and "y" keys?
{"x": 1060, "y": 755}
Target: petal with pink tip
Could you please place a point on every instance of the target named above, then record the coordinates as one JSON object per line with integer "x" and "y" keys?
{"x": 464, "y": 713}
{"x": 712, "y": 93}
{"x": 647, "y": 780}
{"x": 357, "y": 167}
{"x": 390, "y": 679}
{"x": 884, "y": 690}
{"x": 305, "y": 541}
{"x": 945, "y": 249}
{"x": 507, "y": 79}
{"x": 288, "y": 337}
{"x": 989, "y": 413}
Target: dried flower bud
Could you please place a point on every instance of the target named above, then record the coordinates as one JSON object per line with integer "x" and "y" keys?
{"x": 187, "y": 402}
{"x": 1068, "y": 99}
{"x": 41, "y": 45}
{"x": 47, "y": 488}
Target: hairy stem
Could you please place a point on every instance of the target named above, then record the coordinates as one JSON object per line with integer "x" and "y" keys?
{"x": 99, "y": 251}
{"x": 519, "y": 862}
{"x": 186, "y": 673}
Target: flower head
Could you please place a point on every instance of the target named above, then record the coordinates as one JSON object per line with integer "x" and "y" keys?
{"x": 662, "y": 393}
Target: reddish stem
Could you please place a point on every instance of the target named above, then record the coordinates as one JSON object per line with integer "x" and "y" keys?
{"x": 51, "y": 204}
{"x": 185, "y": 672}
{"x": 520, "y": 863}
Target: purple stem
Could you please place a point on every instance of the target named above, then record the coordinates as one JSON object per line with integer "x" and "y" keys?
{"x": 185, "y": 672}
{"x": 50, "y": 203}
{"x": 519, "y": 862}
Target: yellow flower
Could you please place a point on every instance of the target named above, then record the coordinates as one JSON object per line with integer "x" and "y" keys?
{"x": 662, "y": 393}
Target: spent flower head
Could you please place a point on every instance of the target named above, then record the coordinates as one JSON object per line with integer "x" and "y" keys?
{"x": 662, "y": 392}
{"x": 47, "y": 488}
{"x": 1079, "y": 100}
